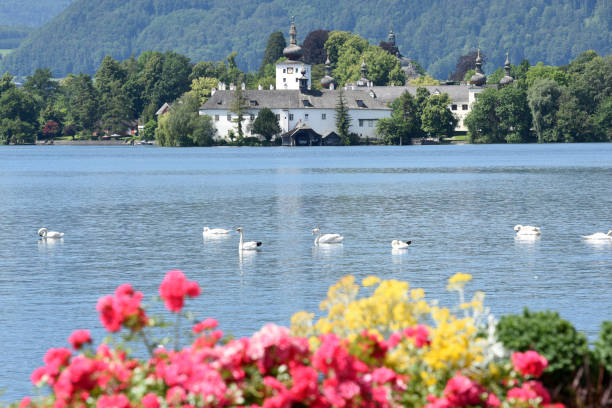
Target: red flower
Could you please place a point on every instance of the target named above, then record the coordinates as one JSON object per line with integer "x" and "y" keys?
{"x": 78, "y": 338}
{"x": 462, "y": 391}
{"x": 113, "y": 401}
{"x": 122, "y": 309}
{"x": 174, "y": 288}
{"x": 25, "y": 403}
{"x": 529, "y": 363}
{"x": 207, "y": 324}
{"x": 150, "y": 401}
{"x": 529, "y": 391}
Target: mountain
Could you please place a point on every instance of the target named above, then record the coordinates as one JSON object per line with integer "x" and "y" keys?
{"x": 435, "y": 33}
{"x": 32, "y": 13}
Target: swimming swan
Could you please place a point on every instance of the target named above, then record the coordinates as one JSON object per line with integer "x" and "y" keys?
{"x": 45, "y": 233}
{"x": 214, "y": 231}
{"x": 327, "y": 238}
{"x": 598, "y": 236}
{"x": 249, "y": 245}
{"x": 527, "y": 230}
{"x": 397, "y": 244}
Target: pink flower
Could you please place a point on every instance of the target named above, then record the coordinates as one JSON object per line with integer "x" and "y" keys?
{"x": 25, "y": 403}
{"x": 206, "y": 324}
{"x": 78, "y": 338}
{"x": 462, "y": 391}
{"x": 113, "y": 401}
{"x": 419, "y": 334}
{"x": 150, "y": 401}
{"x": 174, "y": 288}
{"x": 493, "y": 401}
{"x": 122, "y": 309}
{"x": 383, "y": 375}
{"x": 529, "y": 363}
{"x": 435, "y": 402}
{"x": 530, "y": 390}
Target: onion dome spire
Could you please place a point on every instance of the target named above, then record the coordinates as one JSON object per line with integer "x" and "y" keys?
{"x": 391, "y": 37}
{"x": 364, "y": 72}
{"x": 293, "y": 51}
{"x": 479, "y": 78}
{"x": 507, "y": 79}
{"x": 327, "y": 80}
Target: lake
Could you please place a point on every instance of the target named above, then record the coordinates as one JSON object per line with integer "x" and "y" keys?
{"x": 130, "y": 214}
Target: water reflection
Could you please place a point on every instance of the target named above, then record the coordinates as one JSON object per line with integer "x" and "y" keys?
{"x": 598, "y": 244}
{"x": 48, "y": 243}
{"x": 327, "y": 250}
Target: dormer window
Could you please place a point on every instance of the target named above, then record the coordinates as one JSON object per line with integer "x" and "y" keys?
{"x": 306, "y": 102}
{"x": 253, "y": 103}
{"x": 360, "y": 103}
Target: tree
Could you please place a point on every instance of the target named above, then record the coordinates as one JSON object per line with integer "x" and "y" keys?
{"x": 482, "y": 122}
{"x": 543, "y": 97}
{"x": 148, "y": 133}
{"x": 51, "y": 130}
{"x": 314, "y": 47}
{"x": 343, "y": 119}
{"x": 239, "y": 106}
{"x": 404, "y": 122}
{"x": 274, "y": 50}
{"x": 514, "y": 115}
{"x": 266, "y": 124}
{"x": 6, "y": 82}
{"x": 40, "y": 83}
{"x": 437, "y": 119}
{"x": 466, "y": 63}
{"x": 80, "y": 98}
{"x": 202, "y": 87}
{"x": 183, "y": 126}
{"x": 424, "y": 80}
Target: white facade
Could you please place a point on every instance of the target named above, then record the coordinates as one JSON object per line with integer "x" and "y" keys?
{"x": 289, "y": 72}
{"x": 322, "y": 121}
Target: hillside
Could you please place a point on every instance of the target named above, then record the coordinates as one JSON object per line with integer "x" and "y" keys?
{"x": 32, "y": 13}
{"x": 435, "y": 33}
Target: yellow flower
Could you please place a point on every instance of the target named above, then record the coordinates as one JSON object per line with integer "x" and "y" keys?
{"x": 370, "y": 281}
{"x": 458, "y": 281}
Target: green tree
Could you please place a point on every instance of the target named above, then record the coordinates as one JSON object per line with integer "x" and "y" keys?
{"x": 18, "y": 117}
{"x": 482, "y": 122}
{"x": 80, "y": 98}
{"x": 343, "y": 119}
{"x": 148, "y": 133}
{"x": 202, "y": 87}
{"x": 424, "y": 80}
{"x": 514, "y": 115}
{"x": 6, "y": 82}
{"x": 40, "y": 83}
{"x": 437, "y": 119}
{"x": 274, "y": 50}
{"x": 543, "y": 97}
{"x": 541, "y": 71}
{"x": 239, "y": 106}
{"x": 266, "y": 124}
{"x": 183, "y": 126}
{"x": 404, "y": 122}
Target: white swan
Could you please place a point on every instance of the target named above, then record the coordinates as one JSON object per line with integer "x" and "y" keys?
{"x": 599, "y": 236}
{"x": 214, "y": 231}
{"x": 527, "y": 230}
{"x": 327, "y": 238}
{"x": 397, "y": 244}
{"x": 45, "y": 233}
{"x": 249, "y": 245}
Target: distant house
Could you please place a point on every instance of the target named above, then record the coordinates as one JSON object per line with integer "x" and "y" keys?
{"x": 163, "y": 110}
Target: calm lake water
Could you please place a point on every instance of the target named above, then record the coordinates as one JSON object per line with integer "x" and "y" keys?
{"x": 132, "y": 213}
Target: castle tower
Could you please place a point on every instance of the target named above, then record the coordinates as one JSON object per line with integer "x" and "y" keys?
{"x": 289, "y": 73}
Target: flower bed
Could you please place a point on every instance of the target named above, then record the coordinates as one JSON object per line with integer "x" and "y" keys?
{"x": 391, "y": 348}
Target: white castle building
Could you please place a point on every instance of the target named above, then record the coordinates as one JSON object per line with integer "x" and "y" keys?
{"x": 307, "y": 116}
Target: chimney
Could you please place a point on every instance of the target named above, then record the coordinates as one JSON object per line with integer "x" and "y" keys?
{"x": 220, "y": 85}
{"x": 332, "y": 86}
{"x": 212, "y": 91}
{"x": 243, "y": 86}
{"x": 271, "y": 87}
{"x": 259, "y": 87}
{"x": 232, "y": 86}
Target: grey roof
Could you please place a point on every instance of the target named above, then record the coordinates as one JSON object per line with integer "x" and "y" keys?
{"x": 387, "y": 94}
{"x": 294, "y": 99}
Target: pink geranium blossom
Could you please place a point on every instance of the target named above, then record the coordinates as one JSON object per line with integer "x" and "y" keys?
{"x": 174, "y": 288}
{"x": 529, "y": 363}
{"x": 78, "y": 338}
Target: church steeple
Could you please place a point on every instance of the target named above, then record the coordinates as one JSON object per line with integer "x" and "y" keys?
{"x": 507, "y": 79}
{"x": 328, "y": 80}
{"x": 293, "y": 51}
{"x": 391, "y": 37}
{"x": 479, "y": 78}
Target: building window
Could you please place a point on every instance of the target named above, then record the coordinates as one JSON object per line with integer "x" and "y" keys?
{"x": 284, "y": 79}
{"x": 229, "y": 116}
{"x": 216, "y": 118}
{"x": 296, "y": 79}
{"x": 277, "y": 116}
{"x": 454, "y": 107}
{"x": 371, "y": 123}
{"x": 290, "y": 70}
{"x": 464, "y": 107}
{"x": 306, "y": 116}
{"x": 360, "y": 122}
{"x": 323, "y": 116}
{"x": 284, "y": 71}
{"x": 291, "y": 116}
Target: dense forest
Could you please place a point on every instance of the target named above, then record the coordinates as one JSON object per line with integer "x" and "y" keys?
{"x": 433, "y": 33}
{"x": 31, "y": 13}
